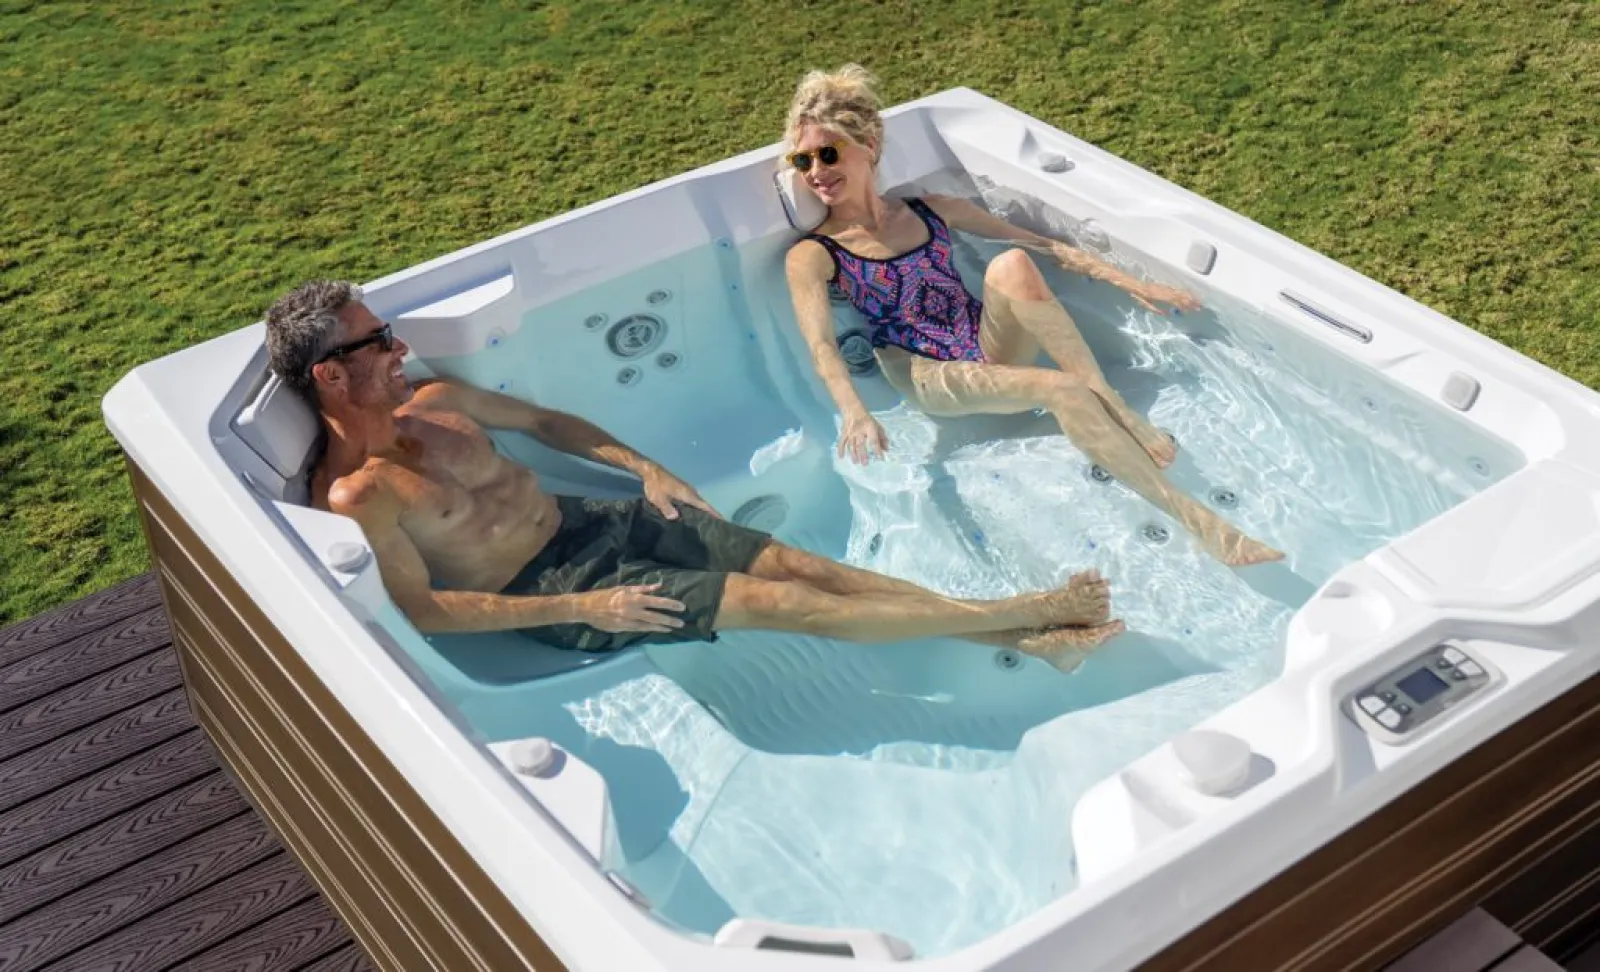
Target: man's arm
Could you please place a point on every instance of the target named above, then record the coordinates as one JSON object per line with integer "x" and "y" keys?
{"x": 567, "y": 433}
{"x": 405, "y": 577}
{"x": 558, "y": 430}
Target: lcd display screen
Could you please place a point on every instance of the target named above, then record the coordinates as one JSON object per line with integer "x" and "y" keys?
{"x": 1422, "y": 685}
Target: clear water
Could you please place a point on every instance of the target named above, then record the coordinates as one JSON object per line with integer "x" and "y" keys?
{"x": 926, "y": 788}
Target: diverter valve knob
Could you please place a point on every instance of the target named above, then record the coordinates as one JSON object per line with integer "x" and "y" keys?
{"x": 1216, "y": 761}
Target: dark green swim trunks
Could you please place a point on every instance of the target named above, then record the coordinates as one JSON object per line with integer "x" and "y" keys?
{"x": 615, "y": 543}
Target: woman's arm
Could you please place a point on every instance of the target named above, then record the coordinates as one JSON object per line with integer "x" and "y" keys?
{"x": 810, "y": 267}
{"x": 972, "y": 218}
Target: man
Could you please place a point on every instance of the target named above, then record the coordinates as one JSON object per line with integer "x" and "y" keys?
{"x": 466, "y": 540}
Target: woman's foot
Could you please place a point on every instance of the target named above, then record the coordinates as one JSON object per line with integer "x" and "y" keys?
{"x": 1238, "y": 550}
{"x": 1066, "y": 648}
{"x": 1083, "y": 599}
{"x": 1160, "y": 446}
{"x": 1222, "y": 539}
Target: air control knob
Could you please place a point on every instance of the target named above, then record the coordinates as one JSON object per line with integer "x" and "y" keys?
{"x": 1215, "y": 762}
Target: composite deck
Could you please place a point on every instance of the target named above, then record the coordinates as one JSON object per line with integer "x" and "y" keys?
{"x": 123, "y": 846}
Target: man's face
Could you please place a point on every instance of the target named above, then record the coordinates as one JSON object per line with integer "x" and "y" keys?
{"x": 366, "y": 376}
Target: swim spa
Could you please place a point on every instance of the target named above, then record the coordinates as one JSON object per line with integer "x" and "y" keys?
{"x": 778, "y": 802}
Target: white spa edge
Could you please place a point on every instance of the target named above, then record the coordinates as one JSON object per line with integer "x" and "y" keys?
{"x": 1513, "y": 572}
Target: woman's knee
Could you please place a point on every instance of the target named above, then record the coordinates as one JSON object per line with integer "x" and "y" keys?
{"x": 1015, "y": 274}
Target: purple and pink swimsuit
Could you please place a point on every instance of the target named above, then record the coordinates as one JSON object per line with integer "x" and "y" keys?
{"x": 916, "y": 300}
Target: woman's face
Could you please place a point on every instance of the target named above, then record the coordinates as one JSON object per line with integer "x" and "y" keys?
{"x": 851, "y": 175}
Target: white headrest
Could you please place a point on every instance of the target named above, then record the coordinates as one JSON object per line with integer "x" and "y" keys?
{"x": 801, "y": 206}
{"x": 279, "y": 426}
{"x": 804, "y": 210}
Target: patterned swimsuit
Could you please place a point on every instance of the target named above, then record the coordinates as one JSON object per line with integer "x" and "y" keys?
{"x": 916, "y": 300}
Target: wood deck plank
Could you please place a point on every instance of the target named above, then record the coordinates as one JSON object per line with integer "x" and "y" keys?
{"x": 198, "y": 921}
{"x": 43, "y": 672}
{"x": 283, "y": 943}
{"x": 113, "y": 790}
{"x": 84, "y": 702}
{"x": 135, "y": 892}
{"x": 348, "y": 959}
{"x": 79, "y": 618}
{"x": 92, "y": 748}
{"x": 145, "y": 830}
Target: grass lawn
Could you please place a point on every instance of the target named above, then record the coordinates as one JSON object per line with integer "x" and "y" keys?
{"x": 167, "y": 167}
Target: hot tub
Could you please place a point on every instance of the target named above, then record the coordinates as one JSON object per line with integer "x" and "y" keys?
{"x": 778, "y": 802}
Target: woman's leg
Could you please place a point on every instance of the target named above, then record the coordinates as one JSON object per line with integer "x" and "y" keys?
{"x": 1021, "y": 316}
{"x": 960, "y": 387}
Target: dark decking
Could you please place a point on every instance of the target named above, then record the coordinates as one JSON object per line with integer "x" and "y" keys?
{"x": 123, "y": 846}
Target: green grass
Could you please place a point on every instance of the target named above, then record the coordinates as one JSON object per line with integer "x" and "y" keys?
{"x": 166, "y": 168}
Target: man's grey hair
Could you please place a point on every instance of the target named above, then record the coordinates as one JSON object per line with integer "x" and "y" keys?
{"x": 301, "y": 326}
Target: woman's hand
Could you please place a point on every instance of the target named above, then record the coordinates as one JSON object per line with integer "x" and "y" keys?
{"x": 1147, "y": 294}
{"x": 863, "y": 438}
{"x": 633, "y": 608}
{"x": 665, "y": 491}
{"x": 1144, "y": 291}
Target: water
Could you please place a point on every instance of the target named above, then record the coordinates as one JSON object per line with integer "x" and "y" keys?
{"x": 926, "y": 788}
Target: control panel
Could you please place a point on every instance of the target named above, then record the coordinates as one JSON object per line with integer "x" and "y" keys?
{"x": 1395, "y": 706}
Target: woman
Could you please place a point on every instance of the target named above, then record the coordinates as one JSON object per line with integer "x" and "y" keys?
{"x": 942, "y": 348}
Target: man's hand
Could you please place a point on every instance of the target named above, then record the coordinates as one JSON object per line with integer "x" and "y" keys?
{"x": 632, "y": 608}
{"x": 665, "y": 491}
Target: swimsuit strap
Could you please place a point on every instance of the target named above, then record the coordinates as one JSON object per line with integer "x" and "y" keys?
{"x": 833, "y": 248}
{"x": 936, "y": 226}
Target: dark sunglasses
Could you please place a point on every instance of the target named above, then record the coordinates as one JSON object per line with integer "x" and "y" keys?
{"x": 827, "y": 155}
{"x": 383, "y": 337}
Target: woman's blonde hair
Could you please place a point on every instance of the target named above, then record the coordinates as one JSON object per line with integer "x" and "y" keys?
{"x": 842, "y": 101}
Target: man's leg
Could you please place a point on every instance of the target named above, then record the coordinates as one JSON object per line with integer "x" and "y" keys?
{"x": 892, "y": 615}
{"x": 783, "y": 563}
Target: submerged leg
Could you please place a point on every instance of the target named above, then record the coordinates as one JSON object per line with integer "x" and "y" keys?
{"x": 749, "y": 602}
{"x": 1021, "y": 316}
{"x": 957, "y": 387}
{"x": 1086, "y": 590}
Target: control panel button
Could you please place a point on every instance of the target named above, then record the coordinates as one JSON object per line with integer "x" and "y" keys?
{"x": 1386, "y": 696}
{"x": 1460, "y": 676}
{"x": 1454, "y": 656}
{"x": 1471, "y": 668}
{"x": 1373, "y": 704}
{"x": 1441, "y": 663}
{"x": 1403, "y": 709}
{"x": 1388, "y": 718}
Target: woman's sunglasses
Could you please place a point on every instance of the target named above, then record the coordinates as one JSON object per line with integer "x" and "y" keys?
{"x": 383, "y": 337}
{"x": 826, "y": 155}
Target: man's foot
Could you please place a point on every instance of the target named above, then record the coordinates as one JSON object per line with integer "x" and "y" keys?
{"x": 1083, "y": 599}
{"x": 1066, "y": 648}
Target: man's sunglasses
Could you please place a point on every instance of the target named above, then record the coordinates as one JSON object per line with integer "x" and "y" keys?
{"x": 383, "y": 337}
{"x": 827, "y": 155}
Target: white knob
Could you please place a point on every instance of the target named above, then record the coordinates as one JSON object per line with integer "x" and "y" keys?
{"x": 1055, "y": 162}
{"x": 533, "y": 757}
{"x": 1216, "y": 761}
{"x": 347, "y": 557}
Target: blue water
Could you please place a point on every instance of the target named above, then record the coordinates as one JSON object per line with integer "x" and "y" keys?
{"x": 925, "y": 788}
